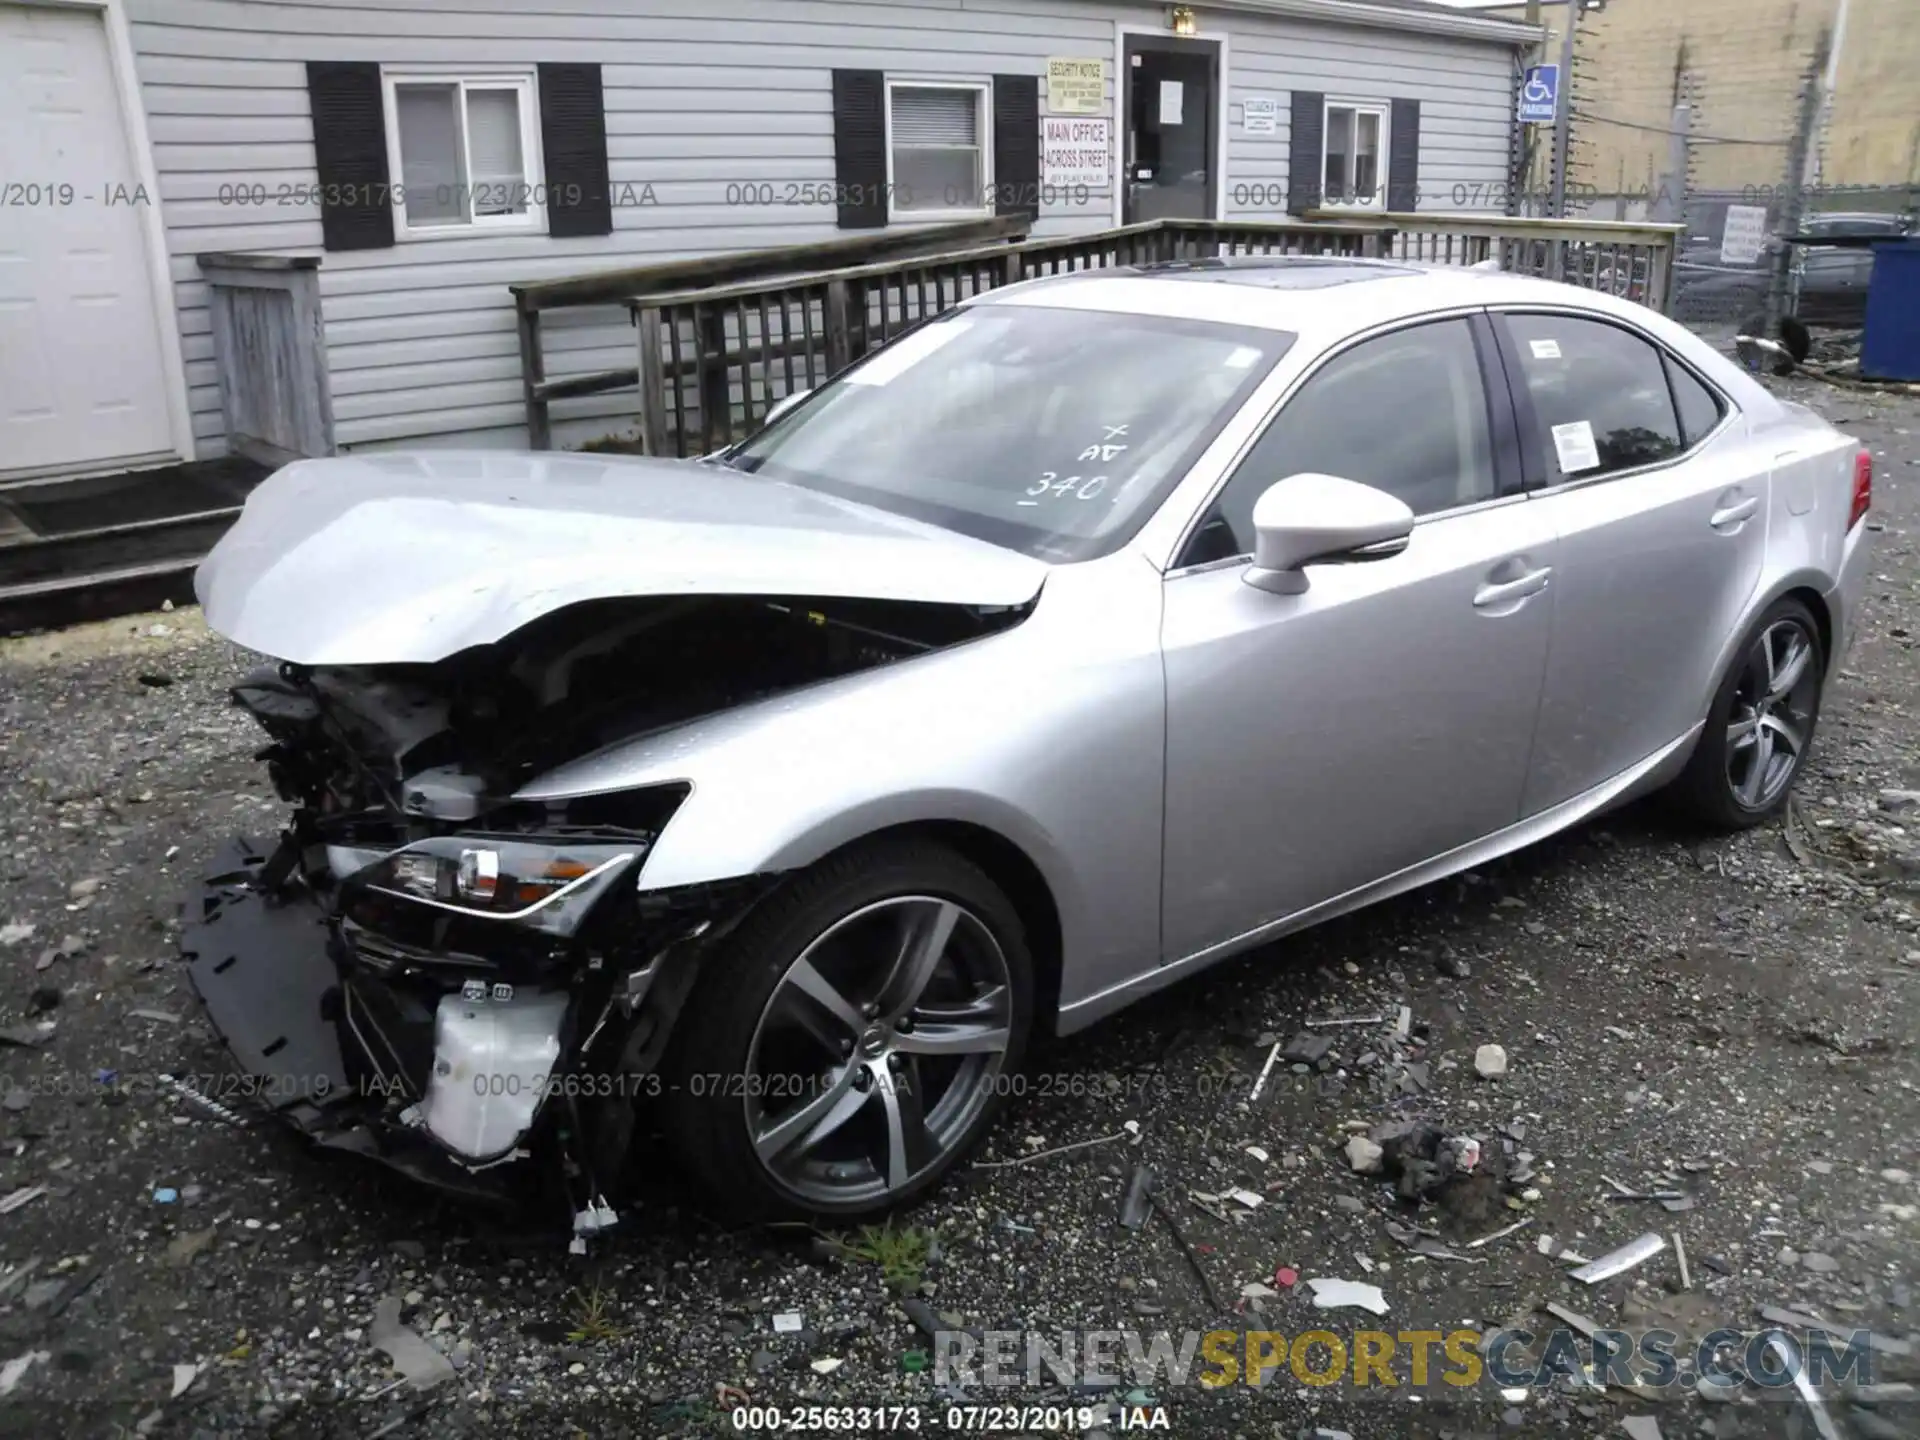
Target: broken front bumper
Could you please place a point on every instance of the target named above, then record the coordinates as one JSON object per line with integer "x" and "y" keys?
{"x": 265, "y": 962}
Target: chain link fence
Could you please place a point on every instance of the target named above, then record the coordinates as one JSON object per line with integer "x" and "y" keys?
{"x": 1726, "y": 137}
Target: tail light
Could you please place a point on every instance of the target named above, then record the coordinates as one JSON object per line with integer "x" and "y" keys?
{"x": 1862, "y": 488}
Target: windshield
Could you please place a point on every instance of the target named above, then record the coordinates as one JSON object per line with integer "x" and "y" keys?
{"x": 1051, "y": 431}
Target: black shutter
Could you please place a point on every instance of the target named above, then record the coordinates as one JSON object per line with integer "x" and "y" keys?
{"x": 1403, "y": 156}
{"x": 573, "y": 142}
{"x": 1016, "y": 145}
{"x": 350, "y": 154}
{"x": 1305, "y": 142}
{"x": 860, "y": 148}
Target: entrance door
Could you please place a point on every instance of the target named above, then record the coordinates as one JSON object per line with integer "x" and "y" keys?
{"x": 82, "y": 382}
{"x": 1171, "y": 125}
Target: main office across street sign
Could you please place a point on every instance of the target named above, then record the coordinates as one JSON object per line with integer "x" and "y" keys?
{"x": 1540, "y": 95}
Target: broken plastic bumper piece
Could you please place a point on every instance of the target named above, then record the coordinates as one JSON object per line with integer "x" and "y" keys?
{"x": 328, "y": 1052}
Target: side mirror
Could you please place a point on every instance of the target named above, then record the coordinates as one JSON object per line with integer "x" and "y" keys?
{"x": 1307, "y": 518}
{"x": 783, "y": 405}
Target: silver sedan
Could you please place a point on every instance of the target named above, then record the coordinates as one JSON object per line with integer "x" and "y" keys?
{"x": 1100, "y": 629}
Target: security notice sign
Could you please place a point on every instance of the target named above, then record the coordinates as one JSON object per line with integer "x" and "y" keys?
{"x": 1744, "y": 239}
{"x": 1075, "y": 152}
{"x": 1076, "y": 87}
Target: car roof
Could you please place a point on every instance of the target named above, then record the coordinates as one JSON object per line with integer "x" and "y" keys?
{"x": 1311, "y": 296}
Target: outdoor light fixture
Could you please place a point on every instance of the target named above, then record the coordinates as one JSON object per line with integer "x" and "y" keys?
{"x": 1180, "y": 18}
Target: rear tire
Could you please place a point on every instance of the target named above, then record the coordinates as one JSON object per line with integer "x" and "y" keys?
{"x": 1760, "y": 726}
{"x": 853, "y": 1040}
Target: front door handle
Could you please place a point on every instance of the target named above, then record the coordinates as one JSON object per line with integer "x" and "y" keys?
{"x": 1728, "y": 516}
{"x": 1503, "y": 591}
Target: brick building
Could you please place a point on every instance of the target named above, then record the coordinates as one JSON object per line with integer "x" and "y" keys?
{"x": 1740, "y": 65}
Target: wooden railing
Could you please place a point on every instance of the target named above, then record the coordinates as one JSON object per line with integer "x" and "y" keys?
{"x": 533, "y": 299}
{"x": 723, "y": 340}
{"x": 1622, "y": 258}
{"x": 715, "y": 360}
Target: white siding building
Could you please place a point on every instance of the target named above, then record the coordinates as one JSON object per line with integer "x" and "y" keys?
{"x": 430, "y": 152}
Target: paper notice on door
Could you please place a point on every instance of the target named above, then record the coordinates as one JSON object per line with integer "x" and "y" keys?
{"x": 1574, "y": 445}
{"x": 1545, "y": 349}
{"x": 1173, "y": 97}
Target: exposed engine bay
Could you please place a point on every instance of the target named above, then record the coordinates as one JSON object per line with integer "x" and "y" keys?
{"x": 429, "y": 972}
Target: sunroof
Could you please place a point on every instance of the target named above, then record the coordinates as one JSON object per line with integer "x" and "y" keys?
{"x": 1277, "y": 272}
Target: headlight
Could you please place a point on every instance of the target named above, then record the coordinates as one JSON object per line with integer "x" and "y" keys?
{"x": 548, "y": 885}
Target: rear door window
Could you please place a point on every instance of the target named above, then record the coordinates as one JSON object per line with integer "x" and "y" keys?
{"x": 1700, "y": 409}
{"x": 1600, "y": 399}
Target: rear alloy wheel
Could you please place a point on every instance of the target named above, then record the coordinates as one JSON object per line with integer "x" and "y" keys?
{"x": 1761, "y": 725}
{"x": 853, "y": 1040}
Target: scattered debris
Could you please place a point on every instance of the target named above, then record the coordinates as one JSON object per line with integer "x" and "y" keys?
{"x": 27, "y": 1037}
{"x": 23, "y": 1196}
{"x": 1265, "y": 1070}
{"x": 1641, "y": 1427}
{"x": 1136, "y": 1206}
{"x": 12, "y": 1372}
{"x": 416, "y": 1360}
{"x": 1306, "y": 1048}
{"x": 1618, "y": 1262}
{"x": 183, "y": 1378}
{"x": 16, "y": 1276}
{"x": 1258, "y": 1152}
{"x": 1331, "y": 1294}
{"x": 789, "y": 1322}
{"x": 1680, "y": 1259}
{"x": 1499, "y": 1234}
{"x": 1572, "y": 1319}
{"x": 16, "y": 932}
{"x": 201, "y": 1102}
{"x": 1345, "y": 1020}
{"x": 163, "y": 1017}
{"x": 1420, "y": 1156}
{"x": 1192, "y": 1257}
{"x": 1490, "y": 1062}
{"x": 185, "y": 1246}
{"x": 1364, "y": 1155}
{"x": 1802, "y": 1382}
{"x": 1623, "y": 1192}
{"x": 1049, "y": 1154}
{"x": 827, "y": 1364}
{"x": 1426, "y": 1245}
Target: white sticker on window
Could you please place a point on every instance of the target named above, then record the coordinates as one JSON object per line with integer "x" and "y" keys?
{"x": 1242, "y": 357}
{"x": 905, "y": 353}
{"x": 1545, "y": 349}
{"x": 1574, "y": 444}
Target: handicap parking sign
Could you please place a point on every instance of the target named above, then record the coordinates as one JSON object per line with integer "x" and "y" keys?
{"x": 1540, "y": 95}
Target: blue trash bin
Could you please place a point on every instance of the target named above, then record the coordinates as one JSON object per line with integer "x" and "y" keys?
{"x": 1891, "y": 348}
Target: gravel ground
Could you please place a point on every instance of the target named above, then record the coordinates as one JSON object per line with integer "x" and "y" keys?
{"x": 1732, "y": 1019}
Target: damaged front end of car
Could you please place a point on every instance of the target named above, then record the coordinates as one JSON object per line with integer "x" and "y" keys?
{"x": 473, "y": 988}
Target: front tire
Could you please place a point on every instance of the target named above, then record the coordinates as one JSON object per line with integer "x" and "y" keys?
{"x": 1761, "y": 725}
{"x": 854, "y": 1038}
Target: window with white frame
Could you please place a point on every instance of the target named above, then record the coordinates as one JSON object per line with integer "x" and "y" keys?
{"x": 937, "y": 159}
{"x": 1354, "y": 168}
{"x": 464, "y": 150}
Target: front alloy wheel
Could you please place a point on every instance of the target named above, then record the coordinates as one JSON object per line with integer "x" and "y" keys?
{"x": 852, "y": 1040}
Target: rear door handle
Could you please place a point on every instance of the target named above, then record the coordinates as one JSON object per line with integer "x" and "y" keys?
{"x": 1500, "y": 592}
{"x": 1730, "y": 515}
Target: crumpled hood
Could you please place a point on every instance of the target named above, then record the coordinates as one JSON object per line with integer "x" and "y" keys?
{"x": 408, "y": 558}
